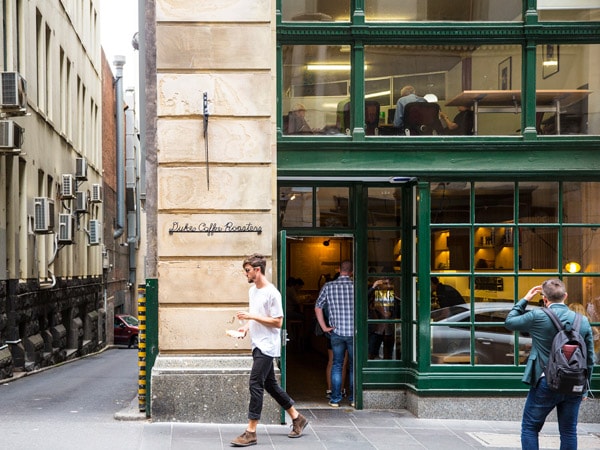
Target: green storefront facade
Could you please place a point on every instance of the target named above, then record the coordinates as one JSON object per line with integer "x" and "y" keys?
{"x": 491, "y": 212}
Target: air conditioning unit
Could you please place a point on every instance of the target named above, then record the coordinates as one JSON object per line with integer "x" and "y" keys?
{"x": 66, "y": 228}
{"x": 81, "y": 169}
{"x": 95, "y": 233}
{"x": 43, "y": 215}
{"x": 96, "y": 193}
{"x": 11, "y": 135}
{"x": 68, "y": 187}
{"x": 81, "y": 199}
{"x": 13, "y": 95}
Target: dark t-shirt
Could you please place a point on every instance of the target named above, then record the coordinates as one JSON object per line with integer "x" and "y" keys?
{"x": 448, "y": 296}
{"x": 465, "y": 122}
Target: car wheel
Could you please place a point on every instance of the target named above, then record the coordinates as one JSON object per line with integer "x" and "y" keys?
{"x": 133, "y": 342}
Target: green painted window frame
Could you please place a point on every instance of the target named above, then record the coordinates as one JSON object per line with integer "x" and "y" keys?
{"x": 357, "y": 33}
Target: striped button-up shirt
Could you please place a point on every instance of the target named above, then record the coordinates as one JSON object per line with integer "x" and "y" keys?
{"x": 338, "y": 298}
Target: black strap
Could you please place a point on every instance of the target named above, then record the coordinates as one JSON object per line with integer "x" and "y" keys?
{"x": 557, "y": 322}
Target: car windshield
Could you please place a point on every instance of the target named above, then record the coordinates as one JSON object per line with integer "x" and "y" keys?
{"x": 444, "y": 313}
{"x": 130, "y": 320}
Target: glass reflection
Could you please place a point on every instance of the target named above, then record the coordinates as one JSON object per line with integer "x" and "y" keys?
{"x": 332, "y": 207}
{"x": 566, "y": 102}
{"x": 383, "y": 250}
{"x": 580, "y": 202}
{"x": 443, "y": 10}
{"x": 319, "y": 11}
{"x": 584, "y": 299}
{"x": 384, "y": 207}
{"x": 492, "y": 343}
{"x": 384, "y": 305}
{"x": 568, "y": 10}
{"x": 451, "y": 344}
{"x": 466, "y": 85}
{"x": 450, "y": 202}
{"x": 539, "y": 248}
{"x": 580, "y": 247}
{"x": 494, "y": 202}
{"x": 316, "y": 80}
{"x": 295, "y": 206}
{"x": 447, "y": 292}
{"x": 495, "y": 344}
{"x": 538, "y": 202}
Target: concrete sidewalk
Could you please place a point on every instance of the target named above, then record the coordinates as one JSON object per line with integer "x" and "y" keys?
{"x": 347, "y": 428}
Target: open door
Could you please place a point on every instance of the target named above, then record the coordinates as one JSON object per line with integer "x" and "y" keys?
{"x": 310, "y": 261}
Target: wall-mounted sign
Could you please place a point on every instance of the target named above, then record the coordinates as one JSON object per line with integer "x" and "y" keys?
{"x": 211, "y": 228}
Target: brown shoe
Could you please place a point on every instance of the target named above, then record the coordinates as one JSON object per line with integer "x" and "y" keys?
{"x": 245, "y": 439}
{"x": 298, "y": 425}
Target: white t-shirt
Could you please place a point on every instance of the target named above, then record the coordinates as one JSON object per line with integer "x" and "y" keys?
{"x": 265, "y": 302}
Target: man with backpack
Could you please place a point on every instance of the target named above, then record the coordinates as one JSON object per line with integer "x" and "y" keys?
{"x": 542, "y": 399}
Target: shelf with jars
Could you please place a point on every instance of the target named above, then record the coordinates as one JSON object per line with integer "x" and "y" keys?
{"x": 441, "y": 252}
{"x": 494, "y": 248}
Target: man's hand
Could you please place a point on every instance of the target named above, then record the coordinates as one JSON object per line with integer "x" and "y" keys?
{"x": 533, "y": 292}
{"x": 243, "y": 315}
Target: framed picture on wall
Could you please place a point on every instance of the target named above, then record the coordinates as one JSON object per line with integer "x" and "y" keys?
{"x": 549, "y": 60}
{"x": 505, "y": 74}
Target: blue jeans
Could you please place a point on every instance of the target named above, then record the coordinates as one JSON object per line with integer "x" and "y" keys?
{"x": 339, "y": 345}
{"x": 540, "y": 402}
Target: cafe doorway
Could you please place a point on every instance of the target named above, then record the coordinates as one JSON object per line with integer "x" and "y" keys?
{"x": 311, "y": 261}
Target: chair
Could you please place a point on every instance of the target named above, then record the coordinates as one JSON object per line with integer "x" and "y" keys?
{"x": 421, "y": 118}
{"x": 371, "y": 116}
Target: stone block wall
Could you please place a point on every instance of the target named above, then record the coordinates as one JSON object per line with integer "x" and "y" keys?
{"x": 42, "y": 327}
{"x": 216, "y": 191}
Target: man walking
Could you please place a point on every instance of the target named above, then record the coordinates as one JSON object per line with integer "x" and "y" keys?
{"x": 338, "y": 297}
{"x": 541, "y": 400}
{"x": 264, "y": 320}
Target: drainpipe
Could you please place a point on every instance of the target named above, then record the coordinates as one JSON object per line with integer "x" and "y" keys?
{"x": 131, "y": 181}
{"x": 119, "y": 62}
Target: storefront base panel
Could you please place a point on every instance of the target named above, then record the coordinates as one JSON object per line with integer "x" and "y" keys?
{"x": 465, "y": 408}
{"x": 205, "y": 389}
{"x": 383, "y": 399}
{"x": 485, "y": 408}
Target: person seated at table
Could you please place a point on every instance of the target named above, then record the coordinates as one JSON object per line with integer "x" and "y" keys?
{"x": 462, "y": 124}
{"x": 297, "y": 123}
{"x": 407, "y": 95}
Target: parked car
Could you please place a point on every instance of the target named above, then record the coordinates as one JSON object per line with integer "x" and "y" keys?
{"x": 494, "y": 344}
{"x": 126, "y": 330}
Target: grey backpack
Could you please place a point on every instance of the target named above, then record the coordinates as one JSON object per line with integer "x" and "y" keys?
{"x": 567, "y": 370}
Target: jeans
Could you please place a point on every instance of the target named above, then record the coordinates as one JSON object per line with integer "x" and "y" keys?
{"x": 339, "y": 345}
{"x": 262, "y": 377}
{"x": 540, "y": 402}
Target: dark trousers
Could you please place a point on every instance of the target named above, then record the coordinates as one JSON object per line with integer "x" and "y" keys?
{"x": 262, "y": 377}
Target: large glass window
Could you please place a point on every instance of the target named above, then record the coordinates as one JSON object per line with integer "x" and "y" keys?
{"x": 521, "y": 234}
{"x": 439, "y": 90}
{"x": 384, "y": 250}
{"x": 316, "y": 89}
{"x": 315, "y": 10}
{"x": 568, "y": 10}
{"x": 443, "y": 10}
{"x": 326, "y": 207}
{"x": 567, "y": 89}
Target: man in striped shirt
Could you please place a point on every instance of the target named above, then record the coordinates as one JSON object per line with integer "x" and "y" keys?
{"x": 338, "y": 297}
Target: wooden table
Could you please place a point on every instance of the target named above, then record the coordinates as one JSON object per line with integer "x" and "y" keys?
{"x": 510, "y": 101}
